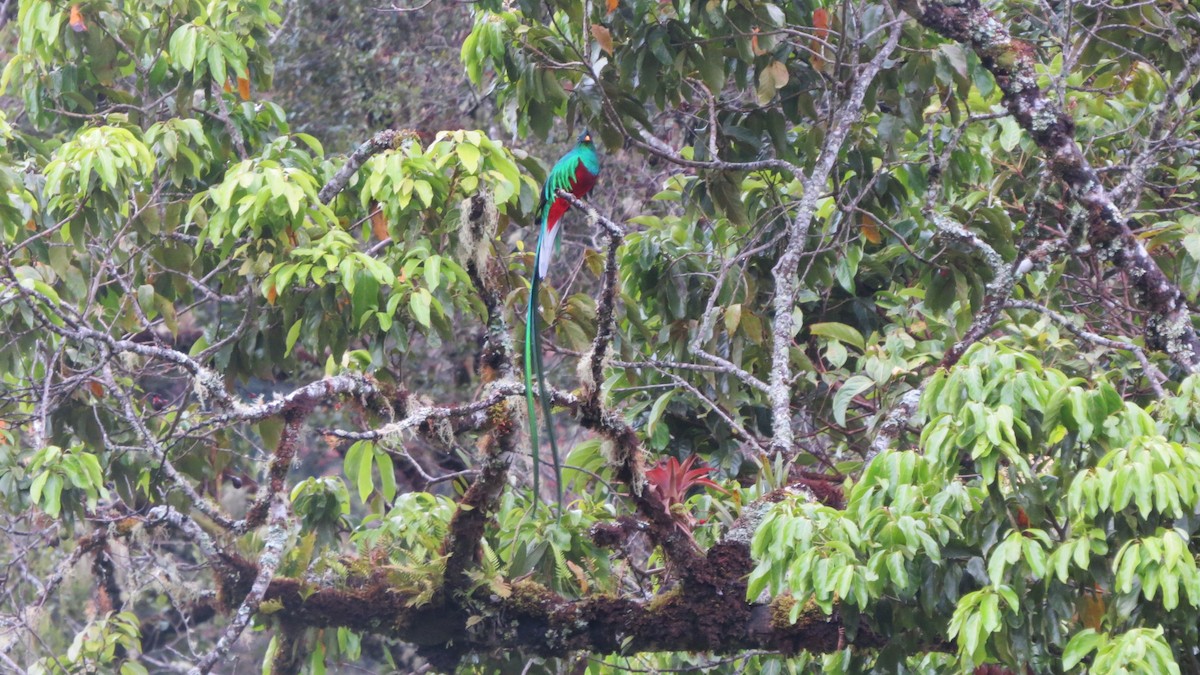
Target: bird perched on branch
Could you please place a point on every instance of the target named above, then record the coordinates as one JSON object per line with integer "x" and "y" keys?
{"x": 575, "y": 172}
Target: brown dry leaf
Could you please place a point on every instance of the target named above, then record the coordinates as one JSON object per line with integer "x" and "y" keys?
{"x": 821, "y": 23}
{"x": 870, "y": 231}
{"x": 1022, "y": 518}
{"x": 603, "y": 37}
{"x": 578, "y": 572}
{"x": 76, "y": 22}
{"x": 758, "y": 51}
{"x": 244, "y": 86}
{"x": 378, "y": 223}
{"x": 96, "y": 388}
{"x": 1091, "y": 608}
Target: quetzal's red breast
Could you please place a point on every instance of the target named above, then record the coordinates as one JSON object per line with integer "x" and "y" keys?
{"x": 581, "y": 184}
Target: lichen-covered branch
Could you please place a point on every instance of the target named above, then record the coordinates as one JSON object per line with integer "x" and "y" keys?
{"x": 280, "y": 529}
{"x": 383, "y": 140}
{"x": 499, "y": 445}
{"x": 422, "y": 415}
{"x": 787, "y": 266}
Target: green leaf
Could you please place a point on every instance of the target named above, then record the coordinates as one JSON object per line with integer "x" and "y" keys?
{"x": 216, "y": 64}
{"x": 433, "y": 272}
{"x": 733, "y": 316}
{"x": 353, "y": 459}
{"x": 1082, "y": 643}
{"x": 419, "y": 302}
{"x": 366, "y": 477}
{"x": 839, "y": 331}
{"x": 1010, "y": 133}
{"x": 387, "y": 474}
{"x": 468, "y": 155}
{"x": 897, "y": 570}
{"x": 293, "y": 334}
{"x": 36, "y": 487}
{"x": 53, "y": 495}
{"x": 851, "y": 388}
{"x": 656, "y": 412}
{"x": 425, "y": 191}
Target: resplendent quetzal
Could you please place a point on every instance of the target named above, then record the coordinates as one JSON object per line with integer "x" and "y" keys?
{"x": 576, "y": 173}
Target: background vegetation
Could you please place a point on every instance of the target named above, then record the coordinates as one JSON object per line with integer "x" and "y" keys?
{"x": 874, "y": 350}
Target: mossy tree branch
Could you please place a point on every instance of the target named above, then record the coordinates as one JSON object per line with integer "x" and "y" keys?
{"x": 707, "y": 611}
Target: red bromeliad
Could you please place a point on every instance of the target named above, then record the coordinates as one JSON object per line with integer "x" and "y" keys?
{"x": 671, "y": 481}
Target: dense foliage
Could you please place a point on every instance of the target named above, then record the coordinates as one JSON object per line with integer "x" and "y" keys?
{"x": 895, "y": 371}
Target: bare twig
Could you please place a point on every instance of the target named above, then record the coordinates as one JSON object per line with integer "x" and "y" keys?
{"x": 1153, "y": 375}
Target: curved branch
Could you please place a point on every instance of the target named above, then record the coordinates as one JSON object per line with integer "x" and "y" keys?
{"x": 1153, "y": 374}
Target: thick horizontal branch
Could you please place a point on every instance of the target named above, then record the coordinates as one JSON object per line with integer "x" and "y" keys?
{"x": 708, "y": 611}
{"x": 302, "y": 399}
{"x": 421, "y": 415}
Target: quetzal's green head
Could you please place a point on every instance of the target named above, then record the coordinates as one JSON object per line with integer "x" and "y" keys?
{"x": 585, "y": 139}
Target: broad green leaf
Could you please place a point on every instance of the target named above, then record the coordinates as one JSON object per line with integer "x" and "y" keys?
{"x": 849, "y": 389}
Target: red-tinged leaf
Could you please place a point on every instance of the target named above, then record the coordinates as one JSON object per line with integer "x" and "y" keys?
{"x": 870, "y": 230}
{"x": 671, "y": 480}
{"x": 821, "y": 24}
{"x": 612, "y": 5}
{"x": 379, "y": 226}
{"x": 1022, "y": 518}
{"x": 76, "y": 21}
{"x": 603, "y": 37}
